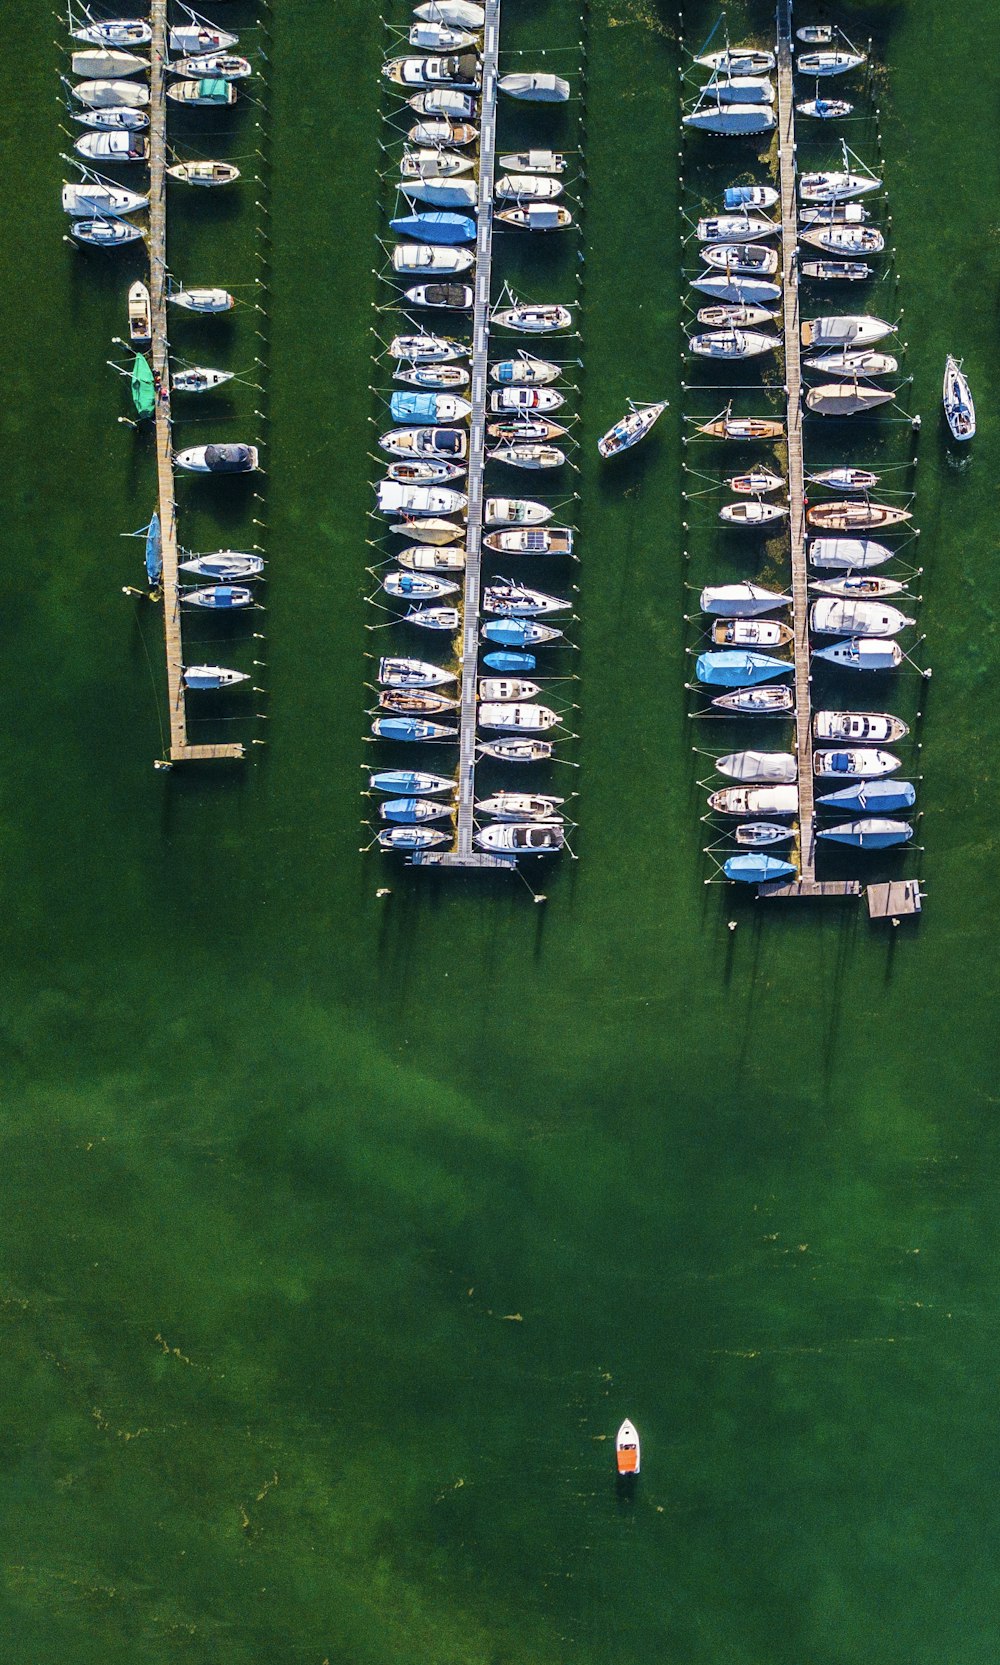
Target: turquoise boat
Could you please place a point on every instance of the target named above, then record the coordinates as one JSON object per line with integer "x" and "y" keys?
{"x": 509, "y": 664}
{"x": 755, "y": 869}
{"x": 733, "y": 669}
{"x": 154, "y": 551}
{"x": 875, "y": 795}
{"x": 410, "y": 728}
{"x": 436, "y": 228}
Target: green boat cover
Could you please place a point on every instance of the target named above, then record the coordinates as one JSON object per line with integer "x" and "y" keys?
{"x": 143, "y": 387}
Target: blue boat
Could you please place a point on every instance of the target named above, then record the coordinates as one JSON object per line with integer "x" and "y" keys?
{"x": 877, "y": 795}
{"x": 410, "y": 783}
{"x": 875, "y": 833}
{"x": 436, "y": 228}
{"x": 219, "y": 597}
{"x": 154, "y": 551}
{"x": 750, "y": 196}
{"x": 410, "y": 728}
{"x": 405, "y": 406}
{"x": 519, "y": 633}
{"x": 732, "y": 668}
{"x": 509, "y": 664}
{"x": 755, "y": 869}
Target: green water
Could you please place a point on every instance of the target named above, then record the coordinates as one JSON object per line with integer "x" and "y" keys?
{"x": 339, "y": 1234}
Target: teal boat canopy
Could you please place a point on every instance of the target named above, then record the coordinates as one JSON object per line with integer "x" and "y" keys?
{"x": 143, "y": 387}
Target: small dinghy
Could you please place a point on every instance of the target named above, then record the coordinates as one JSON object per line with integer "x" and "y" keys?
{"x": 111, "y": 95}
{"x": 759, "y": 768}
{"x": 199, "y": 378}
{"x": 531, "y": 540}
{"x": 753, "y": 513}
{"x": 426, "y": 349}
{"x": 526, "y": 187}
{"x": 733, "y": 345}
{"x": 428, "y": 557}
{"x": 501, "y": 689}
{"x": 519, "y": 633}
{"x": 108, "y": 64}
{"x": 117, "y": 147}
{"x": 873, "y": 833}
{"x": 757, "y": 869}
{"x": 738, "y": 60}
{"x": 204, "y": 679}
{"x": 225, "y": 565}
{"x": 458, "y": 14}
{"x": 751, "y": 633}
{"x": 824, "y": 109}
{"x": 843, "y": 362}
{"x": 750, "y": 196}
{"x": 411, "y": 838}
{"x": 870, "y": 728}
{"x": 738, "y": 668}
{"x": 728, "y": 316}
{"x": 438, "y": 130}
{"x": 412, "y": 673}
{"x": 434, "y": 163}
{"x": 522, "y": 399}
{"x": 444, "y": 101}
{"x": 833, "y": 617}
{"x": 520, "y": 806}
{"x": 732, "y": 119}
{"x": 434, "y": 618}
{"x": 834, "y": 62}
{"x": 202, "y": 300}
{"x": 959, "y": 410}
{"x": 757, "y": 835}
{"x": 445, "y": 444}
{"x": 533, "y": 161}
{"x": 856, "y": 585}
{"x": 728, "y": 426}
{"x": 848, "y": 554}
{"x": 409, "y": 783}
{"x": 527, "y": 838}
{"x": 90, "y": 197}
{"x": 218, "y": 459}
{"x": 846, "y": 398}
{"x": 836, "y": 187}
{"x": 442, "y": 193}
{"x": 536, "y": 216}
{"x": 771, "y": 700}
{"x": 517, "y": 601}
{"x": 723, "y": 286}
{"x": 411, "y": 811}
{"x": 528, "y": 456}
{"x": 878, "y": 795}
{"x": 859, "y": 516}
{"x": 434, "y": 408}
{"x": 630, "y": 429}
{"x": 865, "y": 762}
{"x": 736, "y": 228}
{"x": 742, "y": 259}
{"x": 524, "y": 371}
{"x": 745, "y": 600}
{"x": 204, "y": 173}
{"x": 437, "y": 226}
{"x": 845, "y": 479}
{"x": 224, "y": 598}
{"x": 140, "y": 315}
{"x": 462, "y": 71}
{"x": 205, "y": 94}
{"x": 863, "y": 653}
{"x": 510, "y": 664}
{"x": 446, "y": 297}
{"x": 755, "y": 800}
{"x": 531, "y": 319}
{"x": 511, "y": 749}
{"x": 845, "y": 239}
{"x": 537, "y": 87}
{"x": 104, "y": 234}
{"x": 126, "y": 31}
{"x": 440, "y": 37}
{"x": 220, "y": 66}
{"x": 195, "y": 39}
{"x": 113, "y": 120}
{"x": 406, "y": 704}
{"x": 527, "y": 718}
{"x": 434, "y": 375}
{"x": 515, "y": 511}
{"x": 758, "y": 483}
{"x": 418, "y": 586}
{"x": 627, "y": 1453}
{"x": 397, "y": 499}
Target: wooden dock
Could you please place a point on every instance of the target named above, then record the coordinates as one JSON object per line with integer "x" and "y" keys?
{"x": 181, "y": 750}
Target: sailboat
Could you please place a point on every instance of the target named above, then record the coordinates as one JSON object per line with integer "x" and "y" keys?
{"x": 958, "y": 406}
{"x": 744, "y": 600}
{"x": 630, "y": 429}
{"x": 871, "y": 833}
{"x": 834, "y": 617}
{"x": 753, "y": 869}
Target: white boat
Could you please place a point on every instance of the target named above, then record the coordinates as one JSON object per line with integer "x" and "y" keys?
{"x": 440, "y": 37}
{"x": 833, "y": 617}
{"x": 515, "y": 838}
{"x": 413, "y": 673}
{"x": 395, "y": 499}
{"x": 733, "y": 344}
{"x": 199, "y": 378}
{"x": 525, "y": 717}
{"x": 833, "y": 62}
{"x": 433, "y": 375}
{"x": 750, "y": 196}
{"x": 520, "y": 806}
{"x": 461, "y": 72}
{"x": 759, "y": 768}
{"x": 755, "y": 800}
{"x": 501, "y": 689}
{"x": 224, "y": 565}
{"x": 537, "y": 86}
{"x": 202, "y": 300}
{"x": 515, "y": 511}
{"x": 429, "y": 407}
{"x": 753, "y": 513}
{"x": 846, "y": 398}
{"x": 431, "y": 162}
{"x": 742, "y": 259}
{"x": 192, "y": 39}
{"x": 533, "y": 161}
{"x": 850, "y": 330}
{"x": 111, "y": 95}
{"x": 426, "y": 349}
{"x": 103, "y": 233}
{"x": 744, "y": 600}
{"x": 108, "y": 64}
{"x": 534, "y": 319}
{"x": 858, "y": 585}
{"x": 733, "y": 119}
{"x": 208, "y": 678}
{"x": 140, "y": 315}
{"x": 744, "y": 291}
{"x": 740, "y": 89}
{"x": 735, "y": 228}
{"x": 527, "y": 187}
{"x": 87, "y": 197}
{"x": 442, "y": 193}
{"x": 449, "y": 444}
{"x": 760, "y": 482}
{"x": 114, "y": 147}
{"x": 429, "y": 557}
{"x": 447, "y": 297}
{"x": 844, "y": 271}
{"x": 458, "y": 14}
{"x": 844, "y": 362}
{"x": 125, "y": 31}
{"x": 751, "y": 633}
{"x": 531, "y": 540}
{"x": 834, "y": 213}
{"x": 518, "y": 601}
{"x": 824, "y": 109}
{"x": 417, "y": 586}
{"x": 847, "y": 554}
{"x": 874, "y": 832}
{"x": 446, "y": 619}
{"x": 528, "y": 456}
{"x": 206, "y": 93}
{"x": 431, "y": 530}
{"x": 854, "y": 762}
{"x": 223, "y": 66}
{"x": 438, "y": 130}
{"x": 773, "y": 699}
{"x": 112, "y": 120}
{"x": 627, "y": 1450}
{"x": 863, "y": 653}
{"x": 845, "y": 239}
{"x": 519, "y": 398}
{"x": 836, "y": 186}
{"x": 536, "y": 216}
{"x": 204, "y": 173}
{"x": 444, "y": 101}
{"x": 738, "y": 60}
{"x": 869, "y": 727}
{"x": 815, "y": 34}
{"x": 728, "y": 316}
{"x": 218, "y": 459}
{"x": 412, "y": 259}
{"x": 845, "y": 478}
{"x": 959, "y": 409}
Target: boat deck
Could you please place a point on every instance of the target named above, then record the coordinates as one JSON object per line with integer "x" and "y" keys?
{"x": 181, "y": 749}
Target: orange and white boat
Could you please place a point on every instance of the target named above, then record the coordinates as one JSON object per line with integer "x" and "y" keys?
{"x": 627, "y": 1449}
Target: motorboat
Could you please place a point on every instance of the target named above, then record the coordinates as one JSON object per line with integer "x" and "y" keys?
{"x": 431, "y": 162}
{"x": 849, "y": 330}
{"x": 755, "y": 869}
{"x": 203, "y": 679}
{"x": 435, "y": 618}
{"x": 744, "y": 600}
{"x": 728, "y": 316}
{"x": 834, "y": 213}
{"x": 869, "y": 728}
{"x": 959, "y": 410}
{"x": 856, "y": 585}
{"x": 878, "y": 795}
{"x": 108, "y": 64}
{"x": 538, "y": 87}
{"x": 524, "y": 371}
{"x": 103, "y": 233}
{"x": 442, "y": 193}
{"x": 742, "y": 259}
{"x": 743, "y": 291}
{"x": 843, "y": 362}
{"x": 444, "y": 101}
{"x": 498, "y": 689}
{"x": 824, "y": 109}
{"x": 535, "y": 216}
{"x": 445, "y": 297}
{"x": 736, "y": 228}
{"x": 527, "y": 187}
{"x": 740, "y": 89}
{"x": 534, "y": 319}
{"x": 395, "y": 498}
{"x": 206, "y": 93}
{"x": 412, "y": 673}
{"x": 533, "y": 161}
{"x": 510, "y": 664}
{"x": 411, "y": 810}
{"x": 834, "y": 186}
{"x": 117, "y": 147}
{"x": 458, "y": 14}
{"x": 115, "y": 119}
{"x": 219, "y": 598}
{"x": 772, "y": 699}
{"x": 225, "y": 565}
{"x": 221, "y": 66}
{"x": 728, "y": 426}
{"x": 438, "y": 130}
{"x": 836, "y": 271}
{"x": 750, "y": 196}
{"x": 627, "y": 1450}
{"x": 833, "y": 617}
{"x": 528, "y": 456}
{"x": 426, "y": 349}
{"x": 413, "y": 838}
{"x": 738, "y": 60}
{"x": 199, "y": 378}
{"x": 757, "y": 835}
{"x": 520, "y": 806}
{"x": 428, "y": 407}
{"x": 440, "y": 37}
{"x": 863, "y": 653}
{"x": 760, "y": 482}
{"x": 526, "y": 718}
{"x": 515, "y": 511}
{"x": 429, "y": 557}
{"x": 448, "y": 444}
{"x": 519, "y": 633}
{"x": 752, "y": 513}
{"x": 194, "y": 39}
{"x": 833, "y": 62}
{"x": 872, "y": 833}
{"x": 845, "y": 478}
{"x": 844, "y": 239}
{"x": 521, "y": 399}
{"x": 91, "y": 197}
{"x": 202, "y": 300}
{"x": 755, "y": 800}
{"x": 517, "y": 838}
{"x": 630, "y": 429}
{"x": 459, "y": 71}
{"x": 140, "y": 315}
{"x": 437, "y": 226}
{"x": 218, "y": 459}
{"x": 124, "y": 31}
{"x": 759, "y": 768}
{"x": 204, "y": 173}
{"x": 848, "y": 554}
{"x": 434, "y": 375}
{"x": 409, "y": 783}
{"x": 846, "y": 398}
{"x": 816, "y": 34}
{"x": 733, "y": 345}
{"x": 111, "y": 95}
{"x": 517, "y": 601}
{"x": 864, "y": 762}
{"x": 855, "y": 516}
{"x": 430, "y": 530}
{"x": 738, "y": 668}
{"x": 531, "y": 540}
{"x": 418, "y": 586}
{"x": 751, "y": 633}
{"x": 732, "y": 119}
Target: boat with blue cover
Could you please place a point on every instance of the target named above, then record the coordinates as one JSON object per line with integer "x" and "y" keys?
{"x": 519, "y": 633}
{"x": 877, "y": 795}
{"x": 510, "y": 664}
{"x": 756, "y": 869}
{"x": 441, "y": 227}
{"x": 732, "y": 668}
{"x": 411, "y": 783}
{"x": 408, "y": 811}
{"x": 427, "y": 407}
{"x": 223, "y": 598}
{"x": 873, "y": 833}
{"x": 750, "y": 196}
{"x": 410, "y": 729}
{"x": 154, "y": 551}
